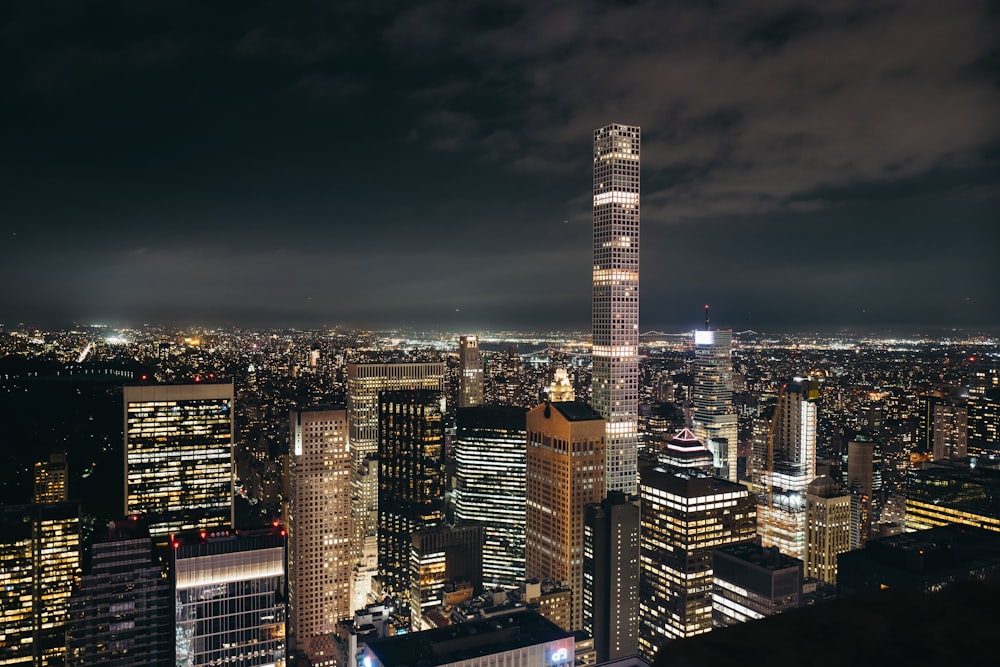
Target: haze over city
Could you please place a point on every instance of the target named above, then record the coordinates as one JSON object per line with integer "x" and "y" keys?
{"x": 805, "y": 165}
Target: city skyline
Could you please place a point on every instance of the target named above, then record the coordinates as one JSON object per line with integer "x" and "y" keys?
{"x": 804, "y": 166}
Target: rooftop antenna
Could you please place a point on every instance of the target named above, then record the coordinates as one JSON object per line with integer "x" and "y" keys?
{"x": 706, "y": 317}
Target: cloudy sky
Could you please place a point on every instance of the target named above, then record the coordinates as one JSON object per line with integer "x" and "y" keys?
{"x": 805, "y": 165}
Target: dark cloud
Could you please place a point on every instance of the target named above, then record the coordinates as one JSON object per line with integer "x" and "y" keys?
{"x": 430, "y": 162}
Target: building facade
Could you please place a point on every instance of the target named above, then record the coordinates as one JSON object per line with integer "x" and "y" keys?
{"x": 229, "y": 597}
{"x": 714, "y": 418}
{"x": 686, "y": 513}
{"x": 411, "y": 484}
{"x": 179, "y": 456}
{"x": 319, "y": 558}
{"x": 490, "y": 450}
{"x": 611, "y": 576}
{"x": 565, "y": 472}
{"x": 828, "y": 528}
{"x": 751, "y": 582}
{"x": 470, "y": 372}
{"x": 953, "y": 491}
{"x": 615, "y": 380}
{"x": 442, "y": 557}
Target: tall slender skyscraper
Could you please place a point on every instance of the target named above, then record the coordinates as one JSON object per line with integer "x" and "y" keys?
{"x": 712, "y": 399}
{"x": 470, "y": 369}
{"x": 179, "y": 456}
{"x": 616, "y": 299}
{"x": 51, "y": 479}
{"x": 319, "y": 559}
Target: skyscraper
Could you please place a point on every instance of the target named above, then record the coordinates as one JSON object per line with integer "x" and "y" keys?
{"x": 40, "y": 557}
{"x": 611, "y": 575}
{"x": 789, "y": 466}
{"x": 616, "y": 299}
{"x": 229, "y": 597}
{"x": 411, "y": 484}
{"x": 686, "y": 513}
{"x": 364, "y": 382}
{"x": 442, "y": 555}
{"x": 319, "y": 559}
{"x": 122, "y": 613}
{"x": 712, "y": 399}
{"x": 179, "y": 456}
{"x": 861, "y": 484}
{"x": 565, "y": 472}
{"x": 52, "y": 479}
{"x": 828, "y": 528}
{"x": 470, "y": 372}
{"x": 951, "y": 431}
{"x": 490, "y": 448}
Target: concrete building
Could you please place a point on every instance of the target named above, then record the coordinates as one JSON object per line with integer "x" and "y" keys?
{"x": 828, "y": 528}
{"x": 751, "y": 582}
{"x": 470, "y": 372}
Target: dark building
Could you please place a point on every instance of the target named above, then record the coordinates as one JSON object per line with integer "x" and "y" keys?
{"x": 750, "y": 582}
{"x": 439, "y": 556}
{"x": 411, "y": 484}
{"x": 524, "y": 638}
{"x": 953, "y": 491}
{"x": 611, "y": 575}
{"x": 925, "y": 560}
{"x": 984, "y": 423}
{"x": 122, "y": 613}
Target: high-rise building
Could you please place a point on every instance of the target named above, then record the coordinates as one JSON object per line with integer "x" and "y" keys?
{"x": 319, "y": 558}
{"x": 122, "y": 613}
{"x": 470, "y": 372}
{"x": 364, "y": 382}
{"x": 40, "y": 557}
{"x": 861, "y": 484}
{"x": 411, "y": 485}
{"x": 828, "y": 528}
{"x": 685, "y": 514}
{"x": 52, "y": 479}
{"x": 951, "y": 428}
{"x": 712, "y": 399}
{"x": 953, "y": 491}
{"x": 179, "y": 456}
{"x": 789, "y": 467}
{"x": 984, "y": 423}
{"x": 490, "y": 446}
{"x": 611, "y": 575}
{"x": 561, "y": 388}
{"x": 615, "y": 379}
{"x": 229, "y": 597}
{"x": 751, "y": 582}
{"x": 439, "y": 556}
{"x": 565, "y": 472}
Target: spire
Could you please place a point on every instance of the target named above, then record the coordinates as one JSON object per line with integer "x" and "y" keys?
{"x": 706, "y": 317}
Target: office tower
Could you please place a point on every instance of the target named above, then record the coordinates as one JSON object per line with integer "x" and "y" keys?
{"x": 364, "y": 382}
{"x": 52, "y": 479}
{"x": 179, "y": 456}
{"x": 685, "y": 514}
{"x": 750, "y": 582}
{"x": 789, "y": 466}
{"x": 828, "y": 528}
{"x": 319, "y": 559}
{"x": 411, "y": 484}
{"x": 611, "y": 575}
{"x": 40, "y": 556}
{"x": 561, "y": 389}
{"x": 926, "y": 560}
{"x": 442, "y": 556}
{"x": 229, "y": 597}
{"x": 565, "y": 472}
{"x": 122, "y": 613}
{"x": 490, "y": 446}
{"x": 470, "y": 372}
{"x": 864, "y": 482}
{"x": 616, "y": 299}
{"x": 984, "y": 423}
{"x": 950, "y": 431}
{"x": 953, "y": 492}
{"x": 525, "y": 638}
{"x": 712, "y": 399}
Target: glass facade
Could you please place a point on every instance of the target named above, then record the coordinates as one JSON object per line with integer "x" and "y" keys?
{"x": 179, "y": 456}
{"x": 712, "y": 399}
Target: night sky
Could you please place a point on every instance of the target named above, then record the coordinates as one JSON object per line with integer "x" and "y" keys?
{"x": 806, "y": 165}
